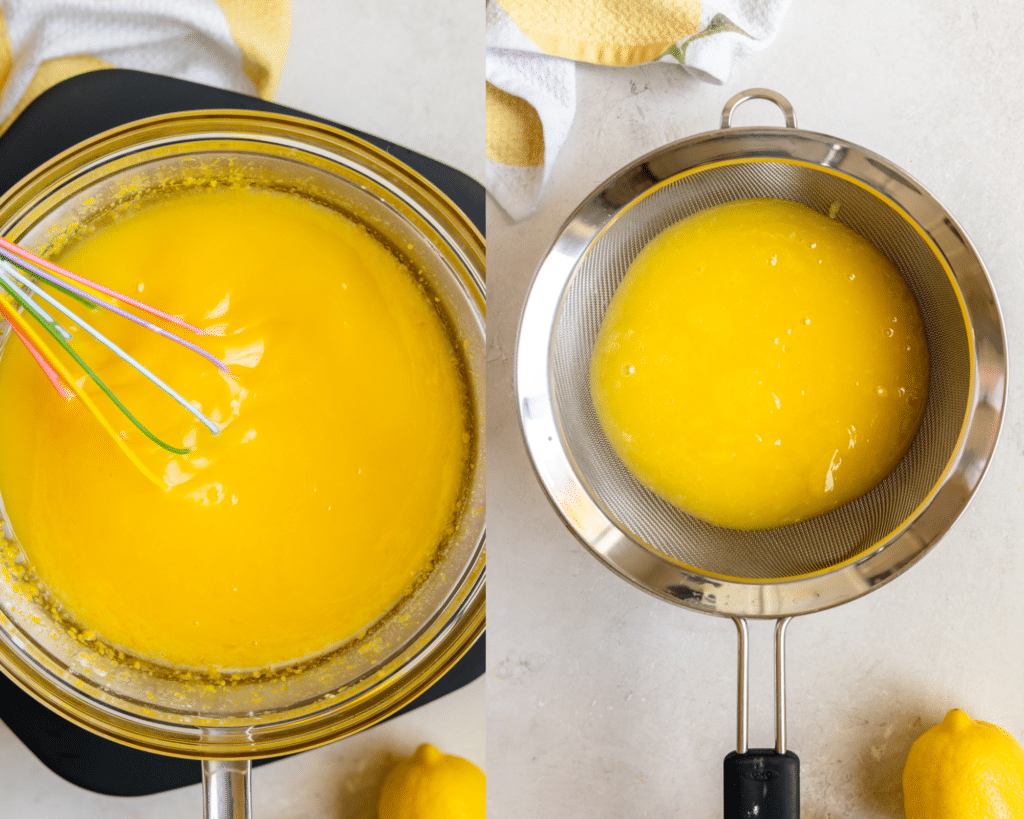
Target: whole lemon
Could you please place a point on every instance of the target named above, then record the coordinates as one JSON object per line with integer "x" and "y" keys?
{"x": 962, "y": 769}
{"x": 432, "y": 785}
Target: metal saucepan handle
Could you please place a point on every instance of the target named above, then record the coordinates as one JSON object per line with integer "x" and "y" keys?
{"x": 758, "y": 94}
{"x": 226, "y": 791}
{"x": 762, "y": 782}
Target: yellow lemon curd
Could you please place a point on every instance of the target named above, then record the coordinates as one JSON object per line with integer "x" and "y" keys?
{"x": 335, "y": 478}
{"x": 760, "y": 364}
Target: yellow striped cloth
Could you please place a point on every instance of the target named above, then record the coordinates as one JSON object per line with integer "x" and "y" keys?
{"x": 239, "y": 45}
{"x": 534, "y": 45}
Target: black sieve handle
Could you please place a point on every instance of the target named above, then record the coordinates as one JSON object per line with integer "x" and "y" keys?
{"x": 762, "y": 783}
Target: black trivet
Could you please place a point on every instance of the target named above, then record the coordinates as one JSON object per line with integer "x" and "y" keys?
{"x": 66, "y": 114}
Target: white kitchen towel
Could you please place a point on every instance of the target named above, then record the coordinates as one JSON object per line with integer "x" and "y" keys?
{"x": 533, "y": 47}
{"x": 239, "y": 45}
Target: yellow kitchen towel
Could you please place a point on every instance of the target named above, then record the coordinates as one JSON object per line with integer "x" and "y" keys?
{"x": 606, "y": 32}
{"x": 533, "y": 47}
{"x": 239, "y": 45}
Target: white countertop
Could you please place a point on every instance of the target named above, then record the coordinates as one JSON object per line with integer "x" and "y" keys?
{"x": 602, "y": 701}
{"x": 412, "y": 74}
{"x": 605, "y": 702}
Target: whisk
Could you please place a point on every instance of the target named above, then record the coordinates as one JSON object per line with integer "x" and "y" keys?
{"x": 22, "y": 278}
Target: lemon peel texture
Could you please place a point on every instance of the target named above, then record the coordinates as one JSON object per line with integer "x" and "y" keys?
{"x": 964, "y": 769}
{"x": 433, "y": 785}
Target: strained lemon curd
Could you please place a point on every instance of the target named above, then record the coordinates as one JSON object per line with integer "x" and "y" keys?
{"x": 760, "y": 364}
{"x": 341, "y": 463}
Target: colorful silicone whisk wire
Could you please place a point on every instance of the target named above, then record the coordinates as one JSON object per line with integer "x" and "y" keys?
{"x": 22, "y": 278}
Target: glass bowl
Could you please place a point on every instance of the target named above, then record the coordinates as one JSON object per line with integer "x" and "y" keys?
{"x": 425, "y": 633}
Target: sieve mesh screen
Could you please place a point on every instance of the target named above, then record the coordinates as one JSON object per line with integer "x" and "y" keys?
{"x": 814, "y": 545}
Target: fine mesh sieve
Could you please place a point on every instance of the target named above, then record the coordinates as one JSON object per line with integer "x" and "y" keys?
{"x": 816, "y": 544}
{"x": 823, "y": 561}
{"x": 820, "y": 562}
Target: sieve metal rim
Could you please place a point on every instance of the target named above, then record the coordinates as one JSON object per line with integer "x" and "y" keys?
{"x": 643, "y": 565}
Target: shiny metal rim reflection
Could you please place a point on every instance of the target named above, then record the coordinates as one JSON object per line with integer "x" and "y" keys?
{"x": 648, "y": 568}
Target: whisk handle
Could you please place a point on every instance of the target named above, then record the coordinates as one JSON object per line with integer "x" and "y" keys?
{"x": 762, "y": 783}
